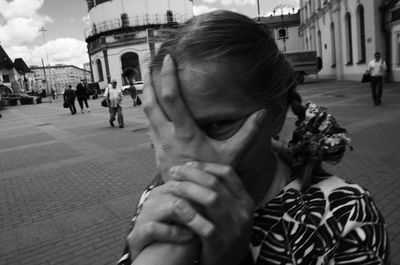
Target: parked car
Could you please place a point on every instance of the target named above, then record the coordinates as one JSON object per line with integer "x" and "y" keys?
{"x": 138, "y": 85}
{"x": 93, "y": 90}
{"x": 23, "y": 97}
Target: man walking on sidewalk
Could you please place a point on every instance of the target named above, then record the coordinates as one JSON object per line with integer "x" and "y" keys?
{"x": 82, "y": 95}
{"x": 69, "y": 98}
{"x": 377, "y": 68}
{"x": 114, "y": 97}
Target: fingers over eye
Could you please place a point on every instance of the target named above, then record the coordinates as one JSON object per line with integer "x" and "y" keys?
{"x": 171, "y": 97}
{"x": 247, "y": 132}
{"x": 151, "y": 107}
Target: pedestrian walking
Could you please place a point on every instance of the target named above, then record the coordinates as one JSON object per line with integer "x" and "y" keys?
{"x": 377, "y": 68}
{"x": 82, "y": 94}
{"x": 133, "y": 92}
{"x": 69, "y": 98}
{"x": 113, "y": 93}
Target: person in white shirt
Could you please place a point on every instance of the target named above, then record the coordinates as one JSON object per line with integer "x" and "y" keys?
{"x": 377, "y": 68}
{"x": 114, "y": 97}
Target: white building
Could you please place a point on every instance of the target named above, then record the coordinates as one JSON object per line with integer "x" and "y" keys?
{"x": 58, "y": 77}
{"x": 347, "y": 33}
{"x": 119, "y": 38}
{"x": 285, "y": 30}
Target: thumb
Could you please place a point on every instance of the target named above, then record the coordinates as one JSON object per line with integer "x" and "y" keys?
{"x": 247, "y": 132}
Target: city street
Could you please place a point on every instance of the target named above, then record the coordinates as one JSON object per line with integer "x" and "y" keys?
{"x": 69, "y": 183}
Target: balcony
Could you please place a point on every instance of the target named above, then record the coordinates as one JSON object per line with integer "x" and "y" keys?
{"x": 134, "y": 22}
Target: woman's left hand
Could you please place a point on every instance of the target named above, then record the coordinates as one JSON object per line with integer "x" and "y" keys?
{"x": 176, "y": 136}
{"x": 222, "y": 199}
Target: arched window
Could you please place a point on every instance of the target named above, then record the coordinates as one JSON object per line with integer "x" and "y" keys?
{"x": 333, "y": 45}
{"x": 130, "y": 68}
{"x": 99, "y": 70}
{"x": 349, "y": 41}
{"x": 361, "y": 34}
{"x": 319, "y": 43}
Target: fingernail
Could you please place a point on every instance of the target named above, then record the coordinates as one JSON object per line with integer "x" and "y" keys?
{"x": 167, "y": 59}
{"x": 192, "y": 163}
{"x": 173, "y": 171}
{"x": 260, "y": 116}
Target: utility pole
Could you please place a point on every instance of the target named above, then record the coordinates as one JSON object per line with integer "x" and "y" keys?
{"x": 258, "y": 11}
{"x": 43, "y": 30}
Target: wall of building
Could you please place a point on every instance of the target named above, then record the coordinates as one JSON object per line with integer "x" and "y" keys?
{"x": 318, "y": 17}
{"x": 395, "y": 51}
{"x": 292, "y": 43}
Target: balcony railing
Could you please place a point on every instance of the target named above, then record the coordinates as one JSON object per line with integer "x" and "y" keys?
{"x": 134, "y": 21}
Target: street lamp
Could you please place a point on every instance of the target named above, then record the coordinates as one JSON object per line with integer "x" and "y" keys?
{"x": 43, "y": 30}
{"x": 282, "y": 32}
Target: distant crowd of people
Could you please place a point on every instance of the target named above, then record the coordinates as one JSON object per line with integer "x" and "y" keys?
{"x": 113, "y": 95}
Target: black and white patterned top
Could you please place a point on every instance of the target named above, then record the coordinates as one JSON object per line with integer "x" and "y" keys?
{"x": 331, "y": 222}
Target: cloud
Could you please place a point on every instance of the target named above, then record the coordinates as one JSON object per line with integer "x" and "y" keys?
{"x": 201, "y": 9}
{"x": 20, "y": 23}
{"x": 86, "y": 19}
{"x": 59, "y": 51}
{"x": 19, "y": 8}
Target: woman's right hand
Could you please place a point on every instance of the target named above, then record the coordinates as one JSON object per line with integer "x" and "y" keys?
{"x": 158, "y": 221}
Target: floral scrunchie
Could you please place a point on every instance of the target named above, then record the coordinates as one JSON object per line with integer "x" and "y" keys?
{"x": 318, "y": 137}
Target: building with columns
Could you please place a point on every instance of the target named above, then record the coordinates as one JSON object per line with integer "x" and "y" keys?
{"x": 123, "y": 34}
{"x": 347, "y": 33}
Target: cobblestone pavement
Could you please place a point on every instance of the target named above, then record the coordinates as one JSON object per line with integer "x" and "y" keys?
{"x": 68, "y": 183}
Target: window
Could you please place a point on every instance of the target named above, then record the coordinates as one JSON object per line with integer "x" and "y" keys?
{"x": 306, "y": 43}
{"x": 6, "y": 79}
{"x": 349, "y": 41}
{"x": 333, "y": 45}
{"x": 398, "y": 48}
{"x": 361, "y": 34}
{"x": 99, "y": 70}
{"x": 319, "y": 43}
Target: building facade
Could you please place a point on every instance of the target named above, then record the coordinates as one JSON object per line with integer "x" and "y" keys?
{"x": 347, "y": 33}
{"x": 123, "y": 35}
{"x": 14, "y": 75}
{"x": 285, "y": 30}
{"x": 58, "y": 77}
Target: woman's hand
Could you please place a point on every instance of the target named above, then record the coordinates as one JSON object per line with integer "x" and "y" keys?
{"x": 223, "y": 221}
{"x": 208, "y": 199}
{"x": 177, "y": 138}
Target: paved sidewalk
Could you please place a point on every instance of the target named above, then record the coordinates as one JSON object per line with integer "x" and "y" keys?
{"x": 68, "y": 184}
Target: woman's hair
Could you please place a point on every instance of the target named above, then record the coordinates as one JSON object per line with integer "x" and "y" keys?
{"x": 231, "y": 39}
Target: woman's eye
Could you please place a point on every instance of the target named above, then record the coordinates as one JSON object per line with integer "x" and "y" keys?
{"x": 222, "y": 129}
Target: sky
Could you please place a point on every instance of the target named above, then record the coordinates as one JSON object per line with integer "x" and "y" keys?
{"x": 63, "y": 42}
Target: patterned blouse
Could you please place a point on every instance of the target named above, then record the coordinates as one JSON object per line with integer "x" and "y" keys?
{"x": 332, "y": 222}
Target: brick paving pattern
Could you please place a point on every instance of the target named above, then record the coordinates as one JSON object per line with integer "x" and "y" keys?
{"x": 68, "y": 184}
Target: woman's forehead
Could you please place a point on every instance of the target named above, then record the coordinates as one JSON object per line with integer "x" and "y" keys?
{"x": 211, "y": 90}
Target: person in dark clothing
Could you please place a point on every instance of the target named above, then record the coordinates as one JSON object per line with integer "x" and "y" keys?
{"x": 82, "y": 95}
{"x": 133, "y": 92}
{"x": 69, "y": 97}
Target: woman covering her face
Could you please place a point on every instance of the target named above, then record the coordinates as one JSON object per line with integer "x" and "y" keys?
{"x": 218, "y": 91}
